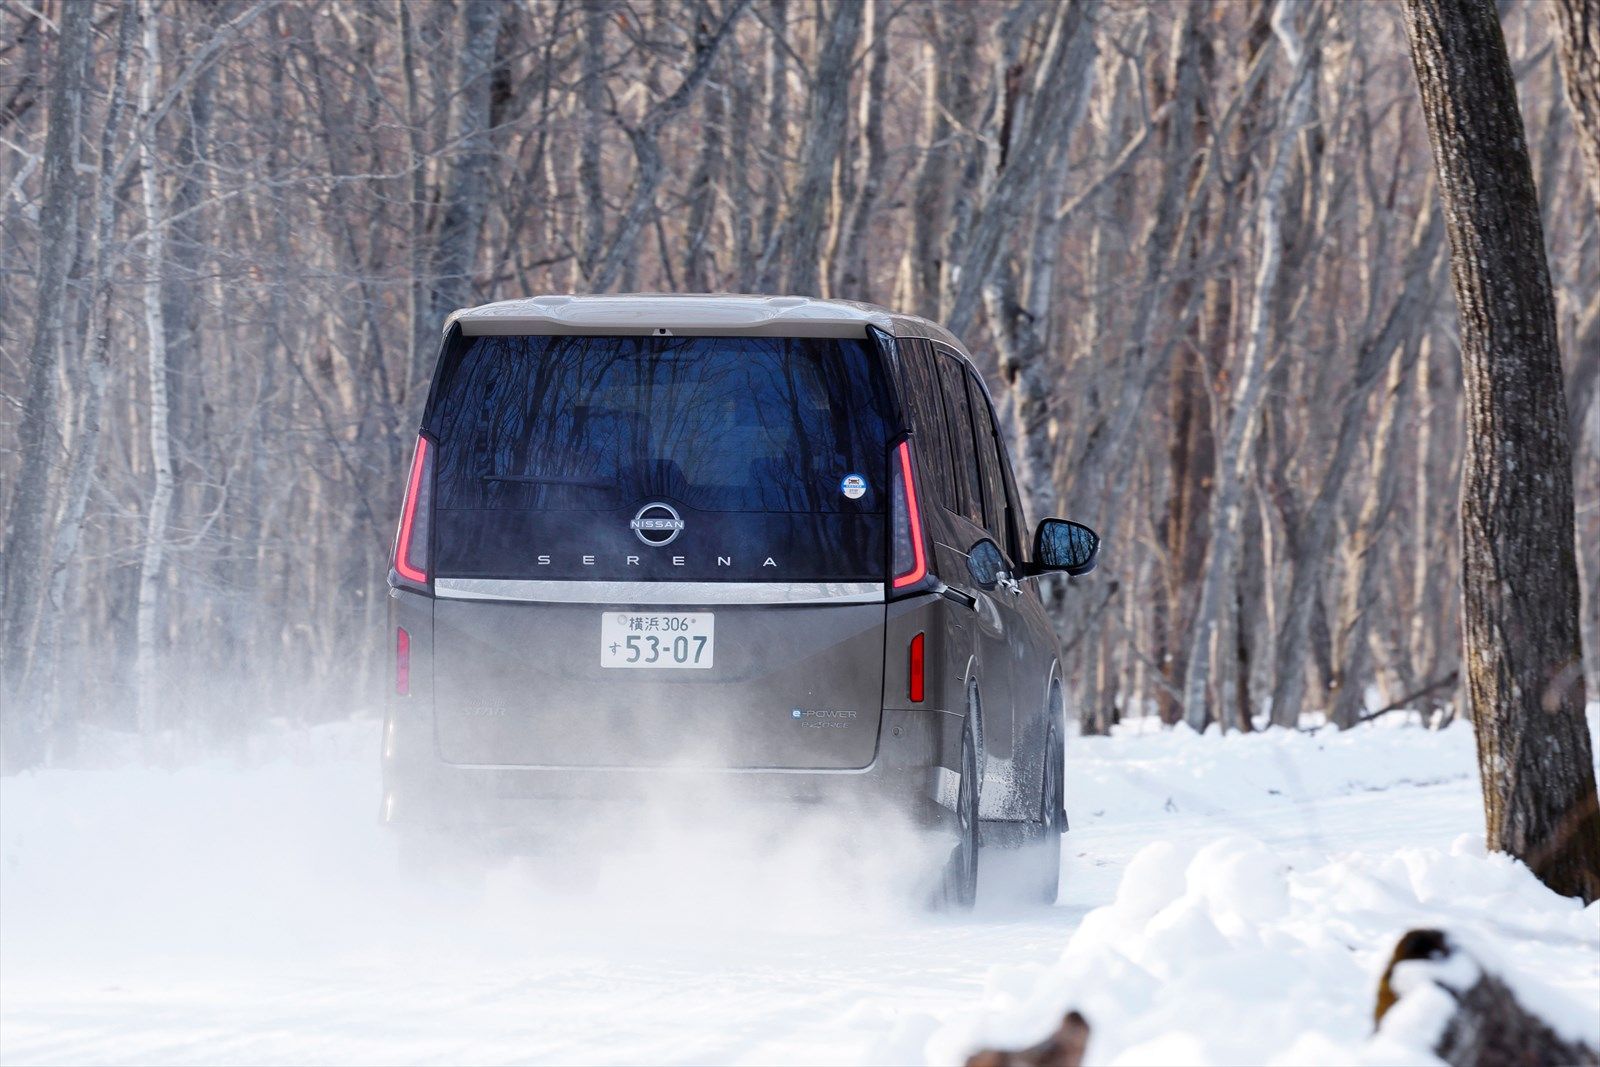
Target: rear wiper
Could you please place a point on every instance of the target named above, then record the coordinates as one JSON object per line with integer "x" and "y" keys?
{"x": 539, "y": 479}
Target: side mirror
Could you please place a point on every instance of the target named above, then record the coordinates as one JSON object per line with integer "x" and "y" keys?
{"x": 986, "y": 563}
{"x": 1061, "y": 545}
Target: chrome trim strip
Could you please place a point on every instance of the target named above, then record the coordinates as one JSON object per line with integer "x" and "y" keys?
{"x": 677, "y": 593}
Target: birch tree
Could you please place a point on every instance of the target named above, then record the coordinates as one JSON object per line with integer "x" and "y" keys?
{"x": 1234, "y": 454}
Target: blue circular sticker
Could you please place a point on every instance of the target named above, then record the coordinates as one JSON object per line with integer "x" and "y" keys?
{"x": 853, "y": 486}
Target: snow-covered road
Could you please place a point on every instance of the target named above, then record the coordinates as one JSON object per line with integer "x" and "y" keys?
{"x": 245, "y": 911}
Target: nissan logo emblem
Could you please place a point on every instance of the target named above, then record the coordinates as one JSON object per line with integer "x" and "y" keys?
{"x": 657, "y": 525}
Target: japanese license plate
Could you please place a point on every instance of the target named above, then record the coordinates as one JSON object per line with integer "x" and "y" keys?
{"x": 657, "y": 639}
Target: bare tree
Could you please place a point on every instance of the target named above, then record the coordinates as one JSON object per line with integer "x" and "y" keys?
{"x": 1525, "y": 680}
{"x": 1084, "y": 190}
{"x": 822, "y": 140}
{"x": 32, "y": 502}
{"x": 1250, "y": 381}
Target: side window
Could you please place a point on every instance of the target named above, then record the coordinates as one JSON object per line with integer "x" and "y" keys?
{"x": 995, "y": 519}
{"x": 969, "y": 497}
{"x": 921, "y": 387}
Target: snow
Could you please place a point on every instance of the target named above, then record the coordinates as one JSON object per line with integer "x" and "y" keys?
{"x": 1226, "y": 899}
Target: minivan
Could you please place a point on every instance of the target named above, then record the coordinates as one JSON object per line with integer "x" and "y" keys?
{"x": 775, "y": 541}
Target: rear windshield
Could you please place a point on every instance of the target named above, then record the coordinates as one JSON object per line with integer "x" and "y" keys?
{"x": 550, "y": 446}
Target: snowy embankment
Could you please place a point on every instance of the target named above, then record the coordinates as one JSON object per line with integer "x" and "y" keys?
{"x": 1225, "y": 900}
{"x": 1262, "y": 937}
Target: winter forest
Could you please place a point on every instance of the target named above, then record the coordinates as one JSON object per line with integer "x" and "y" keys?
{"x": 1157, "y": 224}
{"x": 1198, "y": 249}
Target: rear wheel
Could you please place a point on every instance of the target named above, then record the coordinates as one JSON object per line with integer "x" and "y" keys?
{"x": 1051, "y": 817}
{"x": 1042, "y": 842}
{"x": 960, "y": 888}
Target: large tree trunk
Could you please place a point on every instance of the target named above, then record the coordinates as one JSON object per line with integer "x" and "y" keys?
{"x": 1525, "y": 682}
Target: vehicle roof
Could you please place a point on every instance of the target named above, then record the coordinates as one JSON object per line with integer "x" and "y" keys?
{"x": 703, "y": 314}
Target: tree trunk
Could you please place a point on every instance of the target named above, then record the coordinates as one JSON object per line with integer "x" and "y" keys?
{"x": 97, "y": 343}
{"x": 949, "y": 101}
{"x": 1520, "y": 609}
{"x": 1488, "y": 1026}
{"x": 651, "y": 168}
{"x": 853, "y": 261}
{"x": 591, "y": 176}
{"x": 822, "y": 140}
{"x": 1234, "y": 454}
{"x": 22, "y": 579}
{"x": 148, "y": 622}
{"x": 1577, "y": 26}
{"x": 763, "y": 273}
{"x": 1060, "y": 84}
{"x": 467, "y": 196}
{"x": 1366, "y": 572}
{"x": 1314, "y": 543}
{"x": 420, "y": 309}
{"x": 702, "y": 194}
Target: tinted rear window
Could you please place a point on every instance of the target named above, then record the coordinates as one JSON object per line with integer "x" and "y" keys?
{"x": 550, "y": 445}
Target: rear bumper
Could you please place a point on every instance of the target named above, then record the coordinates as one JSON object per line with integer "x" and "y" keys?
{"x": 913, "y": 767}
{"x": 910, "y": 773}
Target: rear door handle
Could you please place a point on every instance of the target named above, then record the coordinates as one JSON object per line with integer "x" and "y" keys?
{"x": 965, "y": 599}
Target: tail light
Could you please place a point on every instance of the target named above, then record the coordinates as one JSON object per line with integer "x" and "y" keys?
{"x": 402, "y": 661}
{"x": 411, "y": 541}
{"x": 910, "y": 560}
{"x": 915, "y": 689}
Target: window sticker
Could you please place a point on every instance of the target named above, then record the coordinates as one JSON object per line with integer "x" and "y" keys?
{"x": 853, "y": 486}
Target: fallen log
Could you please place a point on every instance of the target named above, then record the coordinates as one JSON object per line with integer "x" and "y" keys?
{"x": 1064, "y": 1048}
{"x": 1486, "y": 1026}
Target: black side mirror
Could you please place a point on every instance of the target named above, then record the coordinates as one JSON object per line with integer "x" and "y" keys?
{"x": 986, "y": 563}
{"x": 1061, "y": 545}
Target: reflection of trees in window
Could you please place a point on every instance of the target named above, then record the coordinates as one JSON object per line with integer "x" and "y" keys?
{"x": 529, "y": 444}
{"x": 717, "y": 424}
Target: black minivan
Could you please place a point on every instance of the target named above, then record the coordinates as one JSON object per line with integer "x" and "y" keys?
{"x": 771, "y": 540}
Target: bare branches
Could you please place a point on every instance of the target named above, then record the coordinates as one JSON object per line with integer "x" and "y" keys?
{"x": 1187, "y": 242}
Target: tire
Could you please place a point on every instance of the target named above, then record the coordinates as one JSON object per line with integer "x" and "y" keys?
{"x": 1052, "y": 817}
{"x": 959, "y": 890}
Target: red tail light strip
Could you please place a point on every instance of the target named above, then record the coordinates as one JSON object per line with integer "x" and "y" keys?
{"x": 916, "y": 687}
{"x": 402, "y": 548}
{"x": 919, "y": 568}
